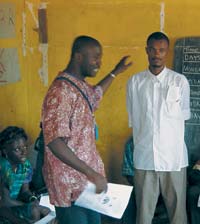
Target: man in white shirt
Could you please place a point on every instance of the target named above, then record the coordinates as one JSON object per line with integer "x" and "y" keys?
{"x": 158, "y": 103}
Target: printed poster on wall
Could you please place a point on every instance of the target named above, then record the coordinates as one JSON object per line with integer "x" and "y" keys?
{"x": 9, "y": 66}
{"x": 7, "y": 20}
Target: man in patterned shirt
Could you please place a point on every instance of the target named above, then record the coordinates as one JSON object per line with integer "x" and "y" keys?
{"x": 71, "y": 158}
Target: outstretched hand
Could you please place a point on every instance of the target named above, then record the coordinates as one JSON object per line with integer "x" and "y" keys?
{"x": 121, "y": 66}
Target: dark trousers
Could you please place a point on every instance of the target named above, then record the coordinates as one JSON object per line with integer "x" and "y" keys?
{"x": 129, "y": 216}
{"x": 192, "y": 200}
{"x": 76, "y": 215}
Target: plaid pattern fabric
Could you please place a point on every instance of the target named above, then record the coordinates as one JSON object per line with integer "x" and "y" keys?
{"x": 15, "y": 180}
{"x": 127, "y": 166}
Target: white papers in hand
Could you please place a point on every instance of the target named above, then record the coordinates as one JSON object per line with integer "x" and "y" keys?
{"x": 44, "y": 201}
{"x": 112, "y": 203}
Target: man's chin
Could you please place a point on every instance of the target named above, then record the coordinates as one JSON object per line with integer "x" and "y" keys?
{"x": 157, "y": 66}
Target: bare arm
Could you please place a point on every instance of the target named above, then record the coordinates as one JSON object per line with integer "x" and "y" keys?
{"x": 65, "y": 154}
{"x": 7, "y": 201}
{"x": 119, "y": 68}
{"x": 26, "y": 195}
{"x": 8, "y": 214}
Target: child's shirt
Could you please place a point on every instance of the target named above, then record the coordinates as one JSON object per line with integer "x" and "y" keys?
{"x": 15, "y": 179}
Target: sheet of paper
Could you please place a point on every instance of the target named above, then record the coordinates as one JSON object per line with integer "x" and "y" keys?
{"x": 198, "y": 205}
{"x": 112, "y": 203}
{"x": 44, "y": 201}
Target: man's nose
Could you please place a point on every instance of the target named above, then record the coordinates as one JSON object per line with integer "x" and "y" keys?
{"x": 157, "y": 52}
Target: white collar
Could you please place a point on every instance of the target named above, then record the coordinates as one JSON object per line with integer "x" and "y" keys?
{"x": 159, "y": 77}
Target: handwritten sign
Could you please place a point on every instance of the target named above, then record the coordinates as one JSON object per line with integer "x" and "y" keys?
{"x": 9, "y": 66}
{"x": 7, "y": 20}
{"x": 187, "y": 62}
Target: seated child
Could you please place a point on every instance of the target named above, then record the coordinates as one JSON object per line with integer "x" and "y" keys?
{"x": 15, "y": 176}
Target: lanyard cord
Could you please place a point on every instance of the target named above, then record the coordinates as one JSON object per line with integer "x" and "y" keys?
{"x": 82, "y": 93}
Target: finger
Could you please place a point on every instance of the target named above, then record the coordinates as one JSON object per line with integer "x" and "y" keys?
{"x": 124, "y": 60}
{"x": 129, "y": 64}
{"x": 125, "y": 57}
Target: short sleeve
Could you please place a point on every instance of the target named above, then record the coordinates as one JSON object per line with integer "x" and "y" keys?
{"x": 57, "y": 111}
{"x": 96, "y": 97}
{"x": 28, "y": 171}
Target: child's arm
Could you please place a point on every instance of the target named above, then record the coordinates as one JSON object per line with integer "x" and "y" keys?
{"x": 7, "y": 201}
{"x": 6, "y": 213}
{"x": 26, "y": 195}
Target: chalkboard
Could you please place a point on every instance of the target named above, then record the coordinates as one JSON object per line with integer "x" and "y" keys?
{"x": 187, "y": 62}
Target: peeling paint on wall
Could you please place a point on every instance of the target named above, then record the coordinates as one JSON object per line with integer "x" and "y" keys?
{"x": 24, "y": 33}
{"x": 43, "y": 46}
{"x": 43, "y": 38}
{"x": 162, "y": 16}
{"x": 43, "y": 71}
{"x": 30, "y": 7}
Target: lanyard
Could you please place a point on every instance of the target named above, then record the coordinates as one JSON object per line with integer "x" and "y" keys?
{"x": 87, "y": 100}
{"x": 83, "y": 94}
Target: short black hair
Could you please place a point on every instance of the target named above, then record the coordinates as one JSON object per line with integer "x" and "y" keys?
{"x": 157, "y": 36}
{"x": 81, "y": 42}
{"x": 11, "y": 134}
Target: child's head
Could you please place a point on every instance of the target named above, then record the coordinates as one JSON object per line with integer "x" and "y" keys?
{"x": 13, "y": 144}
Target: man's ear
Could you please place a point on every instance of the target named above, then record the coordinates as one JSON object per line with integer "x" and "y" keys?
{"x": 78, "y": 56}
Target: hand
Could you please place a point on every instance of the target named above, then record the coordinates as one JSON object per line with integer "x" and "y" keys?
{"x": 99, "y": 181}
{"x": 121, "y": 66}
{"x": 35, "y": 202}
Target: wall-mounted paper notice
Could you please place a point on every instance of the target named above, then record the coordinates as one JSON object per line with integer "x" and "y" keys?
{"x": 112, "y": 203}
{"x": 9, "y": 66}
{"x": 7, "y": 20}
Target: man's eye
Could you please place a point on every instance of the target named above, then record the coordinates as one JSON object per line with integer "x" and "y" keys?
{"x": 151, "y": 50}
{"x": 17, "y": 150}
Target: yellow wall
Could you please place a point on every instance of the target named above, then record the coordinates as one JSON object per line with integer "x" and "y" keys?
{"x": 122, "y": 27}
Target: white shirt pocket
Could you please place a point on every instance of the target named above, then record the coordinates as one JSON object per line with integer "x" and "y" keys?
{"x": 173, "y": 99}
{"x": 173, "y": 94}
